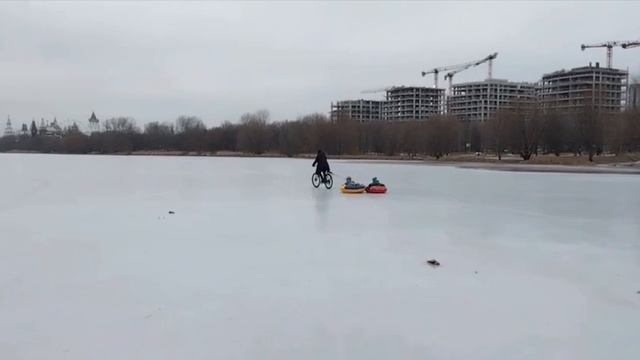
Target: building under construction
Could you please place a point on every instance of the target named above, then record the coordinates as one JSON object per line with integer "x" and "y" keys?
{"x": 359, "y": 110}
{"x": 478, "y": 101}
{"x": 402, "y": 103}
{"x": 584, "y": 88}
{"x": 408, "y": 103}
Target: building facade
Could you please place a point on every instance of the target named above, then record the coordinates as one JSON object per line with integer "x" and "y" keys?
{"x": 478, "y": 101}
{"x": 633, "y": 102}
{"x": 589, "y": 87}
{"x": 402, "y": 103}
{"x": 359, "y": 110}
{"x": 409, "y": 103}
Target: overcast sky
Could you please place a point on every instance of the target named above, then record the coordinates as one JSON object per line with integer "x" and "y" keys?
{"x": 154, "y": 61}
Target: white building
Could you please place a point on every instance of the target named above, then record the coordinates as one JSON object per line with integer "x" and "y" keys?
{"x": 8, "y": 130}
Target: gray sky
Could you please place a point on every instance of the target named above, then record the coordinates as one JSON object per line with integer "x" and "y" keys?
{"x": 158, "y": 60}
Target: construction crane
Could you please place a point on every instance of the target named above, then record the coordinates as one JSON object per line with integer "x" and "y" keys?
{"x": 609, "y": 45}
{"x": 462, "y": 66}
{"x": 466, "y": 65}
{"x": 436, "y": 71}
{"x": 489, "y": 58}
{"x": 630, "y": 44}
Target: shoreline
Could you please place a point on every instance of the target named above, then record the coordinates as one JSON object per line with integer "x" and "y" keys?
{"x": 608, "y": 164}
{"x": 558, "y": 169}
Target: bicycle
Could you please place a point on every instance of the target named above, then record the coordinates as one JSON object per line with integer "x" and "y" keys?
{"x": 316, "y": 180}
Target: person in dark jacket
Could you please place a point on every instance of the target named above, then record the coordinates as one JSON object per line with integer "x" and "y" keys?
{"x": 321, "y": 164}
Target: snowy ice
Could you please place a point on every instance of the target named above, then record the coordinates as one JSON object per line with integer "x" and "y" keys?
{"x": 257, "y": 264}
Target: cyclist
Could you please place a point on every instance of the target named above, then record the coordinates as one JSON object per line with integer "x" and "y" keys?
{"x": 322, "y": 165}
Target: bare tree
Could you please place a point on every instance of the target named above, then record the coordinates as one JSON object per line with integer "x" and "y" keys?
{"x": 346, "y": 132}
{"x": 75, "y": 142}
{"x": 291, "y": 137}
{"x": 159, "y": 136}
{"x": 224, "y": 137}
{"x": 442, "y": 135}
{"x": 555, "y": 135}
{"x": 253, "y": 134}
{"x": 121, "y": 124}
{"x": 319, "y": 133}
{"x": 627, "y": 136}
{"x": 413, "y": 134}
{"x": 471, "y": 138}
{"x": 189, "y": 123}
{"x": 496, "y": 130}
{"x": 527, "y": 128}
{"x": 589, "y": 130}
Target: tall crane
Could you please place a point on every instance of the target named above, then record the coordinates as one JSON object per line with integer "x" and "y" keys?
{"x": 610, "y": 45}
{"x": 466, "y": 65}
{"x": 489, "y": 58}
{"x": 630, "y": 44}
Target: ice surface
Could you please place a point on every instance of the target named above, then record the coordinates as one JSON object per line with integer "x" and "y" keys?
{"x": 257, "y": 264}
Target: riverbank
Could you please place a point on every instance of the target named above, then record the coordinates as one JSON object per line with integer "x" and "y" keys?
{"x": 565, "y": 163}
{"x": 575, "y": 169}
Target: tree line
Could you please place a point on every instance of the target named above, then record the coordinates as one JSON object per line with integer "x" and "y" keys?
{"x": 522, "y": 131}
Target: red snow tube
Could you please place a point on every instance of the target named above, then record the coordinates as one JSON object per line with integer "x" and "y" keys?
{"x": 376, "y": 189}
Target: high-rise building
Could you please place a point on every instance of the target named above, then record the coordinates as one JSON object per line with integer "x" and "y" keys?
{"x": 359, "y": 110}
{"x": 402, "y": 103}
{"x": 589, "y": 87}
{"x": 478, "y": 101}
{"x": 407, "y": 103}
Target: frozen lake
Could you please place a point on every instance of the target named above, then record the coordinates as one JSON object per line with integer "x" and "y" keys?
{"x": 257, "y": 264}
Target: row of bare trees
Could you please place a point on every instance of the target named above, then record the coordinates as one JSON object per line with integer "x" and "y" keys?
{"x": 521, "y": 131}
{"x": 527, "y": 132}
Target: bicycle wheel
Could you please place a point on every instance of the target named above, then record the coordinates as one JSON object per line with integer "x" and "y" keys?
{"x": 328, "y": 181}
{"x": 315, "y": 180}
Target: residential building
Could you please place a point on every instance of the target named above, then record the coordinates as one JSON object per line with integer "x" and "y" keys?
{"x": 478, "y": 101}
{"x": 407, "y": 103}
{"x": 589, "y": 87}
{"x": 359, "y": 110}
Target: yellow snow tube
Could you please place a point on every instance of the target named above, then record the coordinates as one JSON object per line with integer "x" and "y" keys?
{"x": 346, "y": 190}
